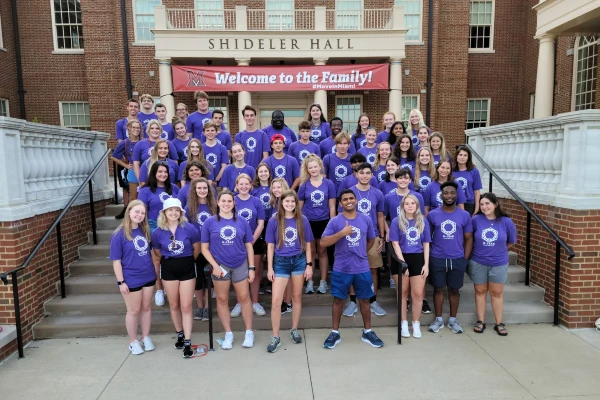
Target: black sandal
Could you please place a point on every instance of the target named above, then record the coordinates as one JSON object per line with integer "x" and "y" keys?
{"x": 501, "y": 329}
{"x": 479, "y": 327}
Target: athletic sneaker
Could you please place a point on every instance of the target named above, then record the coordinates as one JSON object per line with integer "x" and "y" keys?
{"x": 436, "y": 325}
{"x": 214, "y": 295}
{"x": 296, "y": 338}
{"x": 237, "y": 310}
{"x": 322, "y": 287}
{"x": 198, "y": 314}
{"x": 426, "y": 309}
{"x": 148, "y": 345}
{"x": 286, "y": 308}
{"x": 136, "y": 348}
{"x": 405, "y": 332}
{"x": 179, "y": 343}
{"x": 248, "y": 339}
{"x": 392, "y": 283}
{"x": 268, "y": 289}
{"x": 332, "y": 340}
{"x": 372, "y": 339}
{"x": 274, "y": 344}
{"x": 455, "y": 326}
{"x": 416, "y": 325}
{"x": 258, "y": 309}
{"x": 227, "y": 343}
{"x": 310, "y": 287}
{"x": 205, "y": 314}
{"x": 376, "y": 308}
{"x": 351, "y": 309}
{"x": 188, "y": 352}
{"x": 159, "y": 298}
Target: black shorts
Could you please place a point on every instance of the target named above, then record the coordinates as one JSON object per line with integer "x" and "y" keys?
{"x": 201, "y": 278}
{"x": 259, "y": 246}
{"x": 177, "y": 269}
{"x": 470, "y": 208}
{"x": 318, "y": 227}
{"x": 447, "y": 272}
{"x": 415, "y": 263}
{"x": 137, "y": 289}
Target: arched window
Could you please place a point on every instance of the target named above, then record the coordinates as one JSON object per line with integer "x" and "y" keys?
{"x": 584, "y": 73}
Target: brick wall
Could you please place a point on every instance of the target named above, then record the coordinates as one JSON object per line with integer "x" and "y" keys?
{"x": 37, "y": 283}
{"x": 8, "y": 68}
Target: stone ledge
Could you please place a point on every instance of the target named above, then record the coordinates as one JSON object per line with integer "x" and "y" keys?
{"x": 8, "y": 334}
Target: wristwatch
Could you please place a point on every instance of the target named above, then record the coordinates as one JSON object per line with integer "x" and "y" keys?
{"x": 309, "y": 264}
{"x": 252, "y": 268}
{"x": 120, "y": 282}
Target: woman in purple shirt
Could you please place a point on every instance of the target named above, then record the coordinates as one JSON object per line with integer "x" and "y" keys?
{"x": 320, "y": 129}
{"x": 288, "y": 256}
{"x": 236, "y": 168}
{"x": 181, "y": 140}
{"x": 388, "y": 183}
{"x": 405, "y": 152}
{"x": 123, "y": 156}
{"x": 195, "y": 152}
{"x": 176, "y": 244}
{"x": 383, "y": 153}
{"x": 467, "y": 175}
{"x": 193, "y": 171}
{"x": 397, "y": 130}
{"x": 494, "y": 234}
{"x": 132, "y": 262}
{"x": 160, "y": 152}
{"x": 433, "y": 193}
{"x": 424, "y": 170}
{"x": 359, "y": 137}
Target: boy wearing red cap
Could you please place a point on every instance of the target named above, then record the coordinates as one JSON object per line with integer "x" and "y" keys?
{"x": 282, "y": 165}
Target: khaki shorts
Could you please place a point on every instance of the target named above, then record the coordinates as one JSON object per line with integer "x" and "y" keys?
{"x": 375, "y": 260}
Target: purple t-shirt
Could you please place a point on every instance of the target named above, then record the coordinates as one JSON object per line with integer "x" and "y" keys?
{"x": 143, "y": 150}
{"x": 369, "y": 153}
{"x": 316, "y": 199}
{"x": 437, "y": 158}
{"x": 195, "y": 123}
{"x": 424, "y": 181}
{"x": 227, "y": 240}
{"x": 327, "y": 146}
{"x": 135, "y": 257}
{"x": 124, "y": 149}
{"x": 215, "y": 155}
{"x": 336, "y": 169}
{"x": 470, "y": 181}
{"x": 263, "y": 194}
{"x": 145, "y": 118}
{"x": 291, "y": 245}
{"x": 300, "y": 150}
{"x": 447, "y": 231}
{"x": 382, "y": 136}
{"x": 255, "y": 143}
{"x": 288, "y": 135}
{"x": 181, "y": 246}
{"x": 181, "y": 146}
{"x": 369, "y": 202}
{"x": 154, "y": 200}
{"x": 379, "y": 173}
{"x": 351, "y": 250}
{"x": 490, "y": 239}
{"x": 286, "y": 168}
{"x": 409, "y": 165}
{"x": 230, "y": 174}
{"x": 391, "y": 186}
{"x": 251, "y": 210}
{"x": 433, "y": 195}
{"x": 359, "y": 141}
{"x": 202, "y": 215}
{"x": 184, "y": 193}
{"x": 410, "y": 241}
{"x": 121, "y": 131}
{"x": 392, "y": 203}
{"x": 320, "y": 132}
{"x": 222, "y": 137}
{"x": 352, "y": 180}
{"x": 168, "y": 133}
{"x": 173, "y": 170}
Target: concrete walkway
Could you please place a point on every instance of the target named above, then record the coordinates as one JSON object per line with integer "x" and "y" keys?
{"x": 533, "y": 362}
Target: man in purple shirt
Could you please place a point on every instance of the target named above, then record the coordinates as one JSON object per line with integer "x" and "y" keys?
{"x": 133, "y": 107}
{"x": 168, "y": 133}
{"x": 196, "y": 120}
{"x": 327, "y": 146}
{"x": 146, "y": 114}
{"x": 278, "y": 127}
{"x": 255, "y": 141}
{"x": 282, "y": 165}
{"x": 451, "y": 245}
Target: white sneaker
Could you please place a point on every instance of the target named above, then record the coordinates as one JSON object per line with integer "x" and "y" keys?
{"x": 148, "y": 345}
{"x": 310, "y": 287}
{"x": 248, "y": 339}
{"x": 322, "y": 287}
{"x": 392, "y": 283}
{"x": 214, "y": 294}
{"x": 228, "y": 341}
{"x": 416, "y": 325}
{"x": 405, "y": 332}
{"x": 159, "y": 298}
{"x": 136, "y": 348}
{"x": 258, "y": 309}
{"x": 237, "y": 310}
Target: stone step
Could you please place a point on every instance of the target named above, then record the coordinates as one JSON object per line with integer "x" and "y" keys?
{"x": 107, "y": 222}
{"x": 69, "y": 326}
{"x": 111, "y": 210}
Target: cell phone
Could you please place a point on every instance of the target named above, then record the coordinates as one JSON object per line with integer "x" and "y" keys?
{"x": 223, "y": 271}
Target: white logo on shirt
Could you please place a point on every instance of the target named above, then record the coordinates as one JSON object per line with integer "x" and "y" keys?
{"x": 463, "y": 182}
{"x": 333, "y": 149}
{"x": 303, "y": 154}
{"x": 415, "y": 140}
{"x": 164, "y": 135}
{"x": 407, "y": 166}
{"x": 362, "y": 142}
{"x": 150, "y": 151}
{"x": 435, "y": 163}
{"x": 245, "y": 213}
{"x": 127, "y": 133}
{"x": 212, "y": 158}
{"x": 265, "y": 198}
{"x": 353, "y": 241}
{"x": 380, "y": 176}
{"x": 371, "y": 158}
{"x": 448, "y": 233}
{"x": 201, "y": 217}
{"x": 489, "y": 235}
{"x": 364, "y": 206}
{"x": 205, "y": 120}
{"x": 141, "y": 245}
{"x": 392, "y": 191}
{"x": 317, "y": 197}
{"x": 412, "y": 236}
{"x": 438, "y": 198}
{"x": 164, "y": 196}
{"x": 340, "y": 172}
{"x": 280, "y": 171}
{"x": 290, "y": 235}
{"x": 185, "y": 150}
{"x": 315, "y": 134}
{"x": 225, "y": 236}
{"x": 424, "y": 181}
{"x": 176, "y": 247}
{"x": 251, "y": 144}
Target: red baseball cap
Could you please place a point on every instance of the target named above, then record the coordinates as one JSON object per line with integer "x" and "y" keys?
{"x": 277, "y": 136}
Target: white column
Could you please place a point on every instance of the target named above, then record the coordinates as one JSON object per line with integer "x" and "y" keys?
{"x": 395, "y": 93}
{"x": 544, "y": 85}
{"x": 166, "y": 86}
{"x": 244, "y": 97}
{"x": 321, "y": 95}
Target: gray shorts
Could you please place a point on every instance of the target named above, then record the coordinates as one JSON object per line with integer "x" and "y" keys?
{"x": 481, "y": 274}
{"x": 234, "y": 274}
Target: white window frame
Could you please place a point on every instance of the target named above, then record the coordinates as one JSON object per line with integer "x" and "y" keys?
{"x": 282, "y": 14}
{"x": 420, "y": 26}
{"x": 225, "y": 111}
{"x": 135, "y": 26}
{"x": 531, "y": 105}
{"x": 347, "y": 123}
{"x": 576, "y": 49}
{"x": 418, "y": 107}
{"x": 489, "y": 106}
{"x": 55, "y": 37}
{"x": 492, "y": 25}
{"x": 61, "y": 113}
{"x": 341, "y": 13}
{"x": 214, "y": 16}
{"x": 2, "y": 48}
{"x": 5, "y": 103}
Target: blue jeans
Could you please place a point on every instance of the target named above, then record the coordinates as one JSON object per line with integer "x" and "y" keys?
{"x": 152, "y": 223}
{"x": 286, "y": 266}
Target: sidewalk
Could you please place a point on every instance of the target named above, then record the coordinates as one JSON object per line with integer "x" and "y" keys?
{"x": 533, "y": 362}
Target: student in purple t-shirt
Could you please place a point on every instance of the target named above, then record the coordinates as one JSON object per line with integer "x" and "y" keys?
{"x": 235, "y": 169}
{"x": 193, "y": 170}
{"x": 388, "y": 121}
{"x": 181, "y": 140}
{"x": 159, "y": 153}
{"x": 227, "y": 246}
{"x": 424, "y": 170}
{"x": 494, "y": 234}
{"x": 359, "y": 136}
{"x": 327, "y": 146}
{"x": 352, "y": 179}
{"x": 176, "y": 243}
{"x": 405, "y": 152}
{"x": 320, "y": 129}
{"x": 437, "y": 144}
{"x": 130, "y": 253}
{"x": 168, "y": 133}
{"x": 303, "y": 147}
{"x": 392, "y": 200}
{"x": 469, "y": 178}
{"x": 382, "y": 155}
{"x": 451, "y": 245}
{"x": 196, "y": 120}
{"x": 370, "y": 147}
{"x": 423, "y": 138}
{"x": 123, "y": 156}
{"x": 146, "y": 114}
{"x": 215, "y": 153}
{"x": 337, "y": 165}
{"x": 255, "y": 141}
{"x": 121, "y": 127}
{"x": 157, "y": 190}
{"x": 283, "y": 165}
{"x": 262, "y": 189}
{"x": 289, "y": 259}
{"x": 433, "y": 192}
{"x": 278, "y": 127}
{"x": 388, "y": 183}
{"x": 143, "y": 149}
{"x": 353, "y": 235}
{"x": 223, "y": 137}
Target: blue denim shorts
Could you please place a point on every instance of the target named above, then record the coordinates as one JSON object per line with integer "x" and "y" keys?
{"x": 131, "y": 176}
{"x": 284, "y": 267}
{"x": 152, "y": 224}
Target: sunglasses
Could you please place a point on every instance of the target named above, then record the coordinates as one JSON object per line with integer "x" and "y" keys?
{"x": 165, "y": 163}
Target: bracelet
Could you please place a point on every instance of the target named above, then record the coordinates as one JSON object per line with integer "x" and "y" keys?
{"x": 251, "y": 268}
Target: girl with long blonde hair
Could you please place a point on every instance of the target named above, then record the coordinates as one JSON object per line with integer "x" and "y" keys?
{"x": 382, "y": 154}
{"x": 160, "y": 152}
{"x": 123, "y": 156}
{"x": 424, "y": 170}
{"x": 437, "y": 144}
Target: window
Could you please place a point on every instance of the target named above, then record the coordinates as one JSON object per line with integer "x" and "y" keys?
{"x": 209, "y": 14}
{"x": 481, "y": 30}
{"x": 531, "y": 105}
{"x": 143, "y": 11}
{"x": 1, "y": 41}
{"x": 220, "y": 103}
{"x": 4, "y": 108}
{"x": 75, "y": 115}
{"x": 280, "y": 15}
{"x": 348, "y": 14}
{"x": 68, "y": 28}
{"x": 412, "y": 18}
{"x": 348, "y": 108}
{"x": 584, "y": 79}
{"x": 478, "y": 113}
{"x": 409, "y": 103}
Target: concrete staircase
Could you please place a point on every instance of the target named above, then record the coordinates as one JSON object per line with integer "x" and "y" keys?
{"x": 94, "y": 306}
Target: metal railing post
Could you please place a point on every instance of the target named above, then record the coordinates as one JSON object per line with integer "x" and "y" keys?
{"x": 528, "y": 249}
{"x": 556, "y": 283}
{"x": 15, "y": 286}
{"x": 116, "y": 199}
{"x": 92, "y": 212}
{"x": 399, "y": 304}
{"x": 208, "y": 282}
{"x": 490, "y": 183}
{"x": 61, "y": 263}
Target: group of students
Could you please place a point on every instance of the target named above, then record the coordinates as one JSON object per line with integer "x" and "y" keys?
{"x": 325, "y": 196}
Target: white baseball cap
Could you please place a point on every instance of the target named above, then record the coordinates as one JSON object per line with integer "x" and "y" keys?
{"x": 172, "y": 202}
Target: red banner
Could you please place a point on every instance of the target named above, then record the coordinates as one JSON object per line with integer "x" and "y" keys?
{"x": 280, "y": 78}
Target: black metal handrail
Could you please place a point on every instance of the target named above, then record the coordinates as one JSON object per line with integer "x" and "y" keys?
{"x": 55, "y": 225}
{"x": 530, "y": 213}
